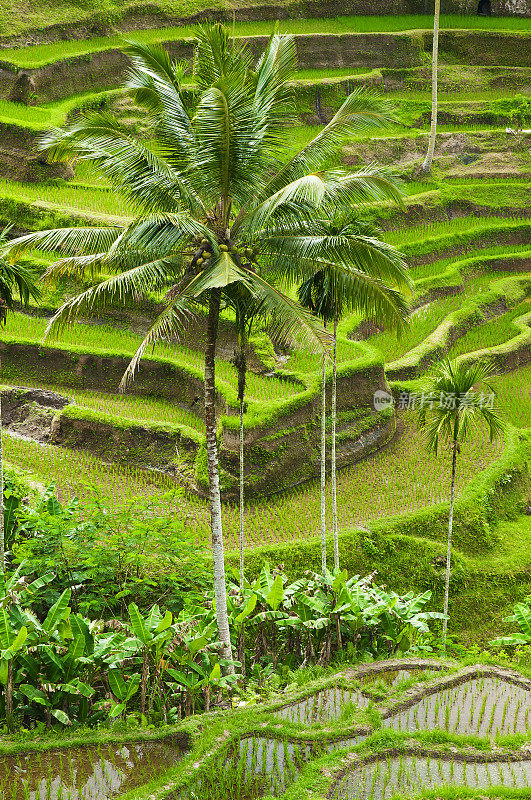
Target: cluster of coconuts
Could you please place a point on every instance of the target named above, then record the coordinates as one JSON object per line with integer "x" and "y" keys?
{"x": 206, "y": 253}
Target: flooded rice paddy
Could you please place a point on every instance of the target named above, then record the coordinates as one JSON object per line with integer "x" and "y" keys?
{"x": 84, "y": 773}
{"x": 330, "y": 704}
{"x": 481, "y": 707}
{"x": 383, "y": 779}
{"x": 462, "y": 704}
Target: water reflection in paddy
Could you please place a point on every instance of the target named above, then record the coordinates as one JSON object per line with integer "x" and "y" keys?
{"x": 328, "y": 704}
{"x": 87, "y": 773}
{"x": 379, "y": 780}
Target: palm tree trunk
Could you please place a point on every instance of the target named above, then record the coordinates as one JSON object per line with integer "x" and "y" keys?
{"x": 9, "y": 695}
{"x": 449, "y": 549}
{"x": 241, "y": 364}
{"x": 220, "y": 589}
{"x": 2, "y": 526}
{"x": 335, "y": 527}
{"x": 426, "y": 166}
{"x": 242, "y": 498}
{"x": 323, "y": 468}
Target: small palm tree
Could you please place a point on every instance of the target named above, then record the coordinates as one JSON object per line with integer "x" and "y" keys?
{"x": 451, "y": 408}
{"x": 375, "y": 287}
{"x": 209, "y": 189}
{"x": 14, "y": 280}
{"x": 426, "y": 166}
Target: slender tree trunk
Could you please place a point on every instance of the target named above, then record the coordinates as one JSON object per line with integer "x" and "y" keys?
{"x": 144, "y": 680}
{"x": 2, "y": 526}
{"x": 449, "y": 548}
{"x": 9, "y": 695}
{"x": 426, "y": 166}
{"x": 220, "y": 589}
{"x": 323, "y": 468}
{"x": 242, "y": 500}
{"x": 242, "y": 372}
{"x": 206, "y": 693}
{"x": 335, "y": 526}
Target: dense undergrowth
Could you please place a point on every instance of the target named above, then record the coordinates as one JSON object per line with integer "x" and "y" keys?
{"x": 66, "y": 640}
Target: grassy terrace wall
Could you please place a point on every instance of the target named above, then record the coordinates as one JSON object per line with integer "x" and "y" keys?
{"x": 486, "y": 48}
{"x": 20, "y": 159}
{"x": 282, "y": 440}
{"x": 107, "y": 69}
{"x": 514, "y": 353}
{"x": 86, "y": 21}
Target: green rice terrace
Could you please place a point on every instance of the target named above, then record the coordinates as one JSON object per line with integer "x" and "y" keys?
{"x": 265, "y": 400}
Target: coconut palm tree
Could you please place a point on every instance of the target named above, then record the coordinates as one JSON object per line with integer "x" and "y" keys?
{"x": 375, "y": 289}
{"x": 210, "y": 186}
{"x": 14, "y": 280}
{"x": 426, "y": 166}
{"x": 451, "y": 407}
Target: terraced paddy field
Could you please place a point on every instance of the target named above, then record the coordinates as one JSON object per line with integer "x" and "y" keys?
{"x": 465, "y": 232}
{"x": 468, "y": 731}
{"x": 414, "y": 727}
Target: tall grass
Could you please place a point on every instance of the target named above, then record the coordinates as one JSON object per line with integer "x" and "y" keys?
{"x": 513, "y": 396}
{"x": 398, "y": 479}
{"x": 38, "y": 55}
{"x": 490, "y": 333}
{"x": 109, "y": 339}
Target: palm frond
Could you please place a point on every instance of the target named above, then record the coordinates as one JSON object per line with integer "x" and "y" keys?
{"x": 228, "y": 154}
{"x": 170, "y": 324}
{"x": 132, "y": 168}
{"x": 368, "y": 185}
{"x": 364, "y": 254}
{"x": 132, "y": 284}
{"x": 361, "y": 112}
{"x": 452, "y": 406}
{"x": 336, "y": 288}
{"x": 70, "y": 241}
{"x": 273, "y": 97}
{"x": 288, "y": 321}
{"x": 164, "y": 233}
{"x": 299, "y": 198}
{"x": 153, "y": 60}
{"x": 222, "y": 273}
{"x": 157, "y": 83}
{"x": 215, "y": 56}
{"x": 16, "y": 279}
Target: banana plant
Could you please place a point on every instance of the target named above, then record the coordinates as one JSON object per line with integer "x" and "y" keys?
{"x": 123, "y": 690}
{"x": 522, "y": 616}
{"x": 57, "y": 663}
{"x": 270, "y": 591}
{"x": 15, "y": 624}
{"x": 239, "y": 617}
{"x": 153, "y": 634}
{"x": 402, "y": 619}
{"x": 15, "y": 592}
{"x": 11, "y": 643}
